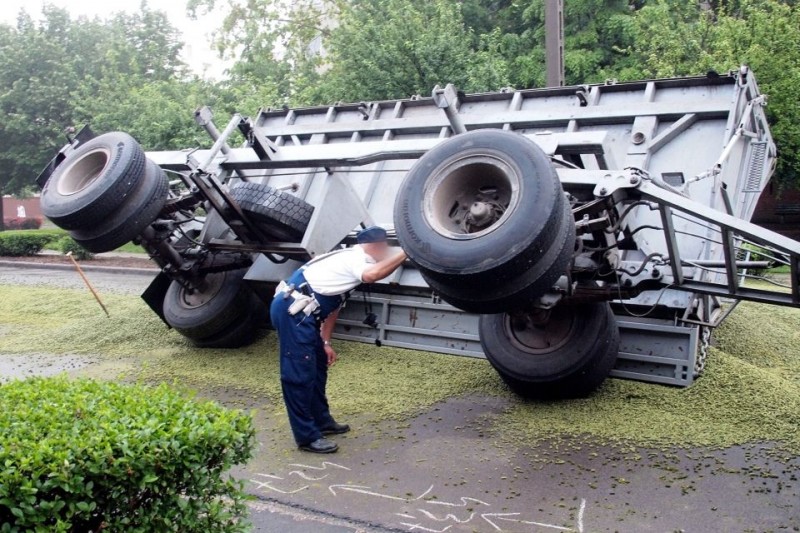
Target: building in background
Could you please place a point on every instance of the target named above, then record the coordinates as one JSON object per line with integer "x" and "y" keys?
{"x": 21, "y": 213}
{"x": 779, "y": 212}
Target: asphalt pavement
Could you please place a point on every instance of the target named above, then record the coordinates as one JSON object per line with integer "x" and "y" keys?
{"x": 446, "y": 470}
{"x": 130, "y": 282}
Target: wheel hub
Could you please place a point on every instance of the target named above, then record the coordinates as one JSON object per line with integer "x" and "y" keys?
{"x": 471, "y": 196}
{"x": 191, "y": 298}
{"x": 480, "y": 212}
{"x": 480, "y": 215}
{"x": 540, "y": 331}
{"x": 83, "y": 172}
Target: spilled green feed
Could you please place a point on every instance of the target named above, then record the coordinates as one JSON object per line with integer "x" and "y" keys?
{"x": 764, "y": 335}
{"x": 70, "y": 321}
{"x": 386, "y": 382}
{"x": 749, "y": 393}
{"x": 735, "y": 402}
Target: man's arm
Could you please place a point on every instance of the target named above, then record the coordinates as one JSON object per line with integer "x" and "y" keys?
{"x": 325, "y": 331}
{"x": 380, "y": 270}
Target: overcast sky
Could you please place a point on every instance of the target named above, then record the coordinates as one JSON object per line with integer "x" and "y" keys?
{"x": 196, "y": 34}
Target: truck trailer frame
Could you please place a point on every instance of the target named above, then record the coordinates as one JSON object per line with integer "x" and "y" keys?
{"x": 661, "y": 178}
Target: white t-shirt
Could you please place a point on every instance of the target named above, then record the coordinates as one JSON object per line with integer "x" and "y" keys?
{"x": 338, "y": 273}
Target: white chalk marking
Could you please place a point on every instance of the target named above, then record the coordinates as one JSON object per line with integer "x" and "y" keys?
{"x": 414, "y": 527}
{"x": 406, "y": 515}
{"x": 362, "y": 489}
{"x": 452, "y": 517}
{"x": 462, "y": 504}
{"x": 496, "y": 516}
{"x": 580, "y": 515}
{"x": 306, "y": 476}
{"x": 503, "y": 516}
{"x": 325, "y": 465}
{"x": 425, "y": 493}
{"x": 267, "y": 485}
{"x": 542, "y": 524}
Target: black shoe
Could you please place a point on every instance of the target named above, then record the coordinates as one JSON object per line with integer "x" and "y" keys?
{"x": 321, "y": 445}
{"x": 335, "y": 429}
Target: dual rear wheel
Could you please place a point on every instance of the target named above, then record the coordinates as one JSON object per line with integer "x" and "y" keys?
{"x": 223, "y": 312}
{"x": 565, "y": 352}
{"x": 485, "y": 219}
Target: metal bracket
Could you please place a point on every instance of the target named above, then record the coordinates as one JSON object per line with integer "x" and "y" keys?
{"x": 335, "y": 215}
{"x": 448, "y": 100}
{"x": 81, "y": 137}
{"x": 614, "y": 181}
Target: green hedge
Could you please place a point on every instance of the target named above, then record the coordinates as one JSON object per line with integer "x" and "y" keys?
{"x": 18, "y": 243}
{"x": 80, "y": 455}
{"x": 26, "y": 242}
{"x": 756, "y": 254}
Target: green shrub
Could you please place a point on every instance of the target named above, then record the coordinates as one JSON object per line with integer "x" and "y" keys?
{"x": 80, "y": 455}
{"x": 22, "y": 243}
{"x": 756, "y": 253}
{"x": 68, "y": 244}
{"x": 55, "y": 233}
{"x": 27, "y": 242}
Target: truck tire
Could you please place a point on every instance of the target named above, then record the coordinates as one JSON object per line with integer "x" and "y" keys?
{"x": 280, "y": 215}
{"x": 516, "y": 293}
{"x": 141, "y": 209}
{"x": 203, "y": 314}
{"x": 482, "y": 207}
{"x": 240, "y": 333}
{"x": 566, "y": 355}
{"x": 94, "y": 181}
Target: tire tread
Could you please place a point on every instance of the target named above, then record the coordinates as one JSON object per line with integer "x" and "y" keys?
{"x": 278, "y": 213}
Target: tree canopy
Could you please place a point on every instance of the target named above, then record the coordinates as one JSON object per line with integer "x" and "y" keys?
{"x": 125, "y": 72}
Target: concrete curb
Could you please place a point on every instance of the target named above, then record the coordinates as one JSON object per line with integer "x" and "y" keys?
{"x": 87, "y": 268}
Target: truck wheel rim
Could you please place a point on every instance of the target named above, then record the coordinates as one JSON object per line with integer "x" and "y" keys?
{"x": 471, "y": 196}
{"x": 83, "y": 172}
{"x": 191, "y": 299}
{"x": 540, "y": 332}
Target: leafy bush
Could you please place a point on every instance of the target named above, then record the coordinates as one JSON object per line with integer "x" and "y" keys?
{"x": 68, "y": 244}
{"x": 26, "y": 242}
{"x": 756, "y": 253}
{"x": 81, "y": 455}
{"x": 23, "y": 223}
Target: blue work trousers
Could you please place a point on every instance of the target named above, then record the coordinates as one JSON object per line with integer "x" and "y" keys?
{"x": 304, "y": 371}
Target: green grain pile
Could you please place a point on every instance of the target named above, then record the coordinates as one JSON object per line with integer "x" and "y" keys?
{"x": 735, "y": 402}
{"x": 386, "y": 382}
{"x": 765, "y": 335}
{"x": 750, "y": 391}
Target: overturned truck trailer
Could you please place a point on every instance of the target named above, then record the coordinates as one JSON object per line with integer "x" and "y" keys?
{"x": 564, "y": 233}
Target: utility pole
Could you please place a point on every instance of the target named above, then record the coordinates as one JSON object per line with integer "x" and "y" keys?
{"x": 554, "y": 42}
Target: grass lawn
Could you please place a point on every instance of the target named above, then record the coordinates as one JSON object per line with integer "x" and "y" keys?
{"x": 783, "y": 269}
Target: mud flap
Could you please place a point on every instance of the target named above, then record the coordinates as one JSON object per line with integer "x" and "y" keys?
{"x": 154, "y": 294}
